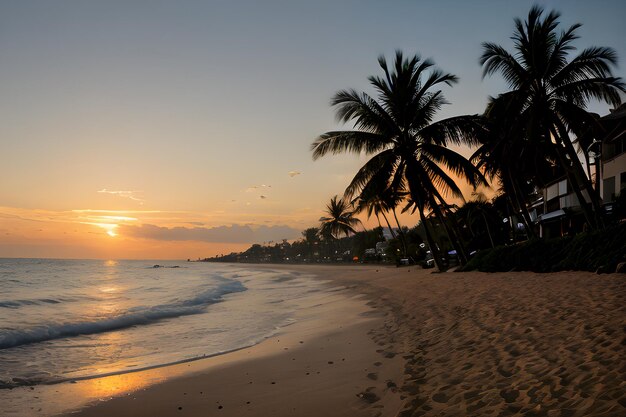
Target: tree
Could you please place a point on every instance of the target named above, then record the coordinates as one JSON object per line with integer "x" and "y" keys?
{"x": 482, "y": 222}
{"x": 311, "y": 239}
{"x": 549, "y": 94}
{"x": 340, "y": 220}
{"x": 373, "y": 203}
{"x": 408, "y": 148}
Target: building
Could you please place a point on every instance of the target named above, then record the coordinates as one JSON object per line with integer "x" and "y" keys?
{"x": 613, "y": 155}
{"x": 556, "y": 211}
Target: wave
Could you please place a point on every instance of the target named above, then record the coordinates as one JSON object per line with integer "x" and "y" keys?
{"x": 39, "y": 301}
{"x": 133, "y": 317}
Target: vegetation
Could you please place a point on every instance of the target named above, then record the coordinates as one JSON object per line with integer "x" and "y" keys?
{"x": 340, "y": 219}
{"x": 530, "y": 124}
{"x": 522, "y": 144}
{"x": 594, "y": 251}
{"x": 408, "y": 149}
{"x": 312, "y": 249}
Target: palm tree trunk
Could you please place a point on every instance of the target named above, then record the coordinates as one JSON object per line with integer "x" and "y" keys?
{"x": 400, "y": 231}
{"x": 378, "y": 220}
{"x": 582, "y": 179}
{"x": 451, "y": 230}
{"x": 520, "y": 207}
{"x": 488, "y": 230}
{"x": 393, "y": 235}
{"x": 452, "y": 235}
{"x": 562, "y": 155}
{"x": 431, "y": 242}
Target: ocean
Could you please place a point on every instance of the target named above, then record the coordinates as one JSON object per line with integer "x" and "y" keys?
{"x": 65, "y": 320}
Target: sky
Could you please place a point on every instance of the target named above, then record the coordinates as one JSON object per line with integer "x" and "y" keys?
{"x": 175, "y": 130}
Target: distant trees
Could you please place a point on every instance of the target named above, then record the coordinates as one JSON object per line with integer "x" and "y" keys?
{"x": 340, "y": 219}
{"x": 311, "y": 240}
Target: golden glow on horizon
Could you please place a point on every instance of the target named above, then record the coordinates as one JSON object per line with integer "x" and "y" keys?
{"x": 109, "y": 227}
{"x": 118, "y": 218}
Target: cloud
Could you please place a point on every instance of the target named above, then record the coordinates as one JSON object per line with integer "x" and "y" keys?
{"x": 257, "y": 187}
{"x": 132, "y": 195}
{"x": 294, "y": 173}
{"x": 220, "y": 234}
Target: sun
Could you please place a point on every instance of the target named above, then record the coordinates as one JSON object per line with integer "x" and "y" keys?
{"x": 108, "y": 227}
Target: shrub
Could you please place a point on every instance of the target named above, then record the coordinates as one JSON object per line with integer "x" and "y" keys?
{"x": 594, "y": 251}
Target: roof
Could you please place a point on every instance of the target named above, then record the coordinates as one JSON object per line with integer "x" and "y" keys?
{"x": 615, "y": 124}
{"x": 553, "y": 215}
{"x": 618, "y": 113}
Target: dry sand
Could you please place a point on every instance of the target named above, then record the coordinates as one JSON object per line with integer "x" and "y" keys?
{"x": 451, "y": 344}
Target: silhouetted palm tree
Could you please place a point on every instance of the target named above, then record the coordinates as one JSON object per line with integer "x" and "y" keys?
{"x": 549, "y": 94}
{"x": 340, "y": 220}
{"x": 311, "y": 239}
{"x": 397, "y": 128}
{"x": 518, "y": 165}
{"x": 372, "y": 203}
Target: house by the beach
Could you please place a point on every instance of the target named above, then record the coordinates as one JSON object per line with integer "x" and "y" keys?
{"x": 613, "y": 155}
{"x": 556, "y": 210}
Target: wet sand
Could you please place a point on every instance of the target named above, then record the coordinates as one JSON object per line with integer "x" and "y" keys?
{"x": 451, "y": 344}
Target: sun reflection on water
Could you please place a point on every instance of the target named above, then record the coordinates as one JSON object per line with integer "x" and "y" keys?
{"x": 115, "y": 385}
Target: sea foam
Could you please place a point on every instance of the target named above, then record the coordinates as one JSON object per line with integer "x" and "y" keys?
{"x": 135, "y": 316}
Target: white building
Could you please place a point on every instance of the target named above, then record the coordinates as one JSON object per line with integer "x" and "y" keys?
{"x": 614, "y": 154}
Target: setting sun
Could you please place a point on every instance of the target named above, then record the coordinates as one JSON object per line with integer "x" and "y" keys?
{"x": 109, "y": 227}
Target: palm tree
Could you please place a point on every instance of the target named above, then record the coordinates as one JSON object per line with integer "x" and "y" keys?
{"x": 373, "y": 204}
{"x": 340, "y": 219}
{"x": 477, "y": 214}
{"x": 506, "y": 155}
{"x": 549, "y": 94}
{"x": 397, "y": 128}
{"x": 311, "y": 238}
{"x": 393, "y": 197}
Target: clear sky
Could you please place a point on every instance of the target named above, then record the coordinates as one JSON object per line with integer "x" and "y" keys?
{"x": 177, "y": 129}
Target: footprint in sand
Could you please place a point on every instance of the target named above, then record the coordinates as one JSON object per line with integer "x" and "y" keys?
{"x": 441, "y": 397}
{"x": 509, "y": 395}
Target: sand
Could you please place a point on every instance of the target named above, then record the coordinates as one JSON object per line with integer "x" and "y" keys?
{"x": 426, "y": 344}
{"x": 507, "y": 343}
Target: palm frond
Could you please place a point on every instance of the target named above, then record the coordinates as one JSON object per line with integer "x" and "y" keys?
{"x": 348, "y": 141}
{"x": 380, "y": 167}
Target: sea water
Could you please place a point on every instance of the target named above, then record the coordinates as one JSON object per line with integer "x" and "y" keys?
{"x": 65, "y": 320}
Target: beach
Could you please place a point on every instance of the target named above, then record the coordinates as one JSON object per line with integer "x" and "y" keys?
{"x": 384, "y": 341}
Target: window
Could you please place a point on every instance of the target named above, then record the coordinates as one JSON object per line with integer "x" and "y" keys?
{"x": 552, "y": 192}
{"x": 608, "y": 193}
{"x": 620, "y": 146}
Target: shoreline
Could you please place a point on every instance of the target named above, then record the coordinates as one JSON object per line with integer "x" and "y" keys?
{"x": 414, "y": 343}
{"x": 334, "y": 322}
{"x": 324, "y": 363}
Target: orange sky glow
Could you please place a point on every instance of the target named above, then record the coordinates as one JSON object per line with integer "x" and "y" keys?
{"x": 176, "y": 130}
